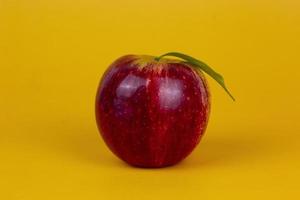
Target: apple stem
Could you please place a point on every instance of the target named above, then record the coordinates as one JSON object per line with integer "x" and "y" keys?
{"x": 199, "y": 65}
{"x": 158, "y": 58}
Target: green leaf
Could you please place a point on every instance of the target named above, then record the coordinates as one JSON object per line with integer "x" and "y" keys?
{"x": 202, "y": 66}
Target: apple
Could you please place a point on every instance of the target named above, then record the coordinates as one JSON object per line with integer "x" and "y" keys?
{"x": 152, "y": 111}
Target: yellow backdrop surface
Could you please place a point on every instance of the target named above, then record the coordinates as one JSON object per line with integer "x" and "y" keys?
{"x": 53, "y": 53}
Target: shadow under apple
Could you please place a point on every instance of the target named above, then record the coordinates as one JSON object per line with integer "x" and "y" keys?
{"x": 225, "y": 150}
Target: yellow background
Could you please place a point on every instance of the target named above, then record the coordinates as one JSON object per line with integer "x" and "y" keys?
{"x": 53, "y": 53}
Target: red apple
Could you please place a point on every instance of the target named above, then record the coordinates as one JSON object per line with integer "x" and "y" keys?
{"x": 152, "y": 111}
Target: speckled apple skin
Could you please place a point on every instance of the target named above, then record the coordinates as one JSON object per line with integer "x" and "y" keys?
{"x": 152, "y": 114}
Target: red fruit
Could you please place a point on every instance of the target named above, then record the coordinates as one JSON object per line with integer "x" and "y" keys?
{"x": 152, "y": 112}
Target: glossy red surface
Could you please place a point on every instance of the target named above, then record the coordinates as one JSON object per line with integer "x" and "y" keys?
{"x": 152, "y": 115}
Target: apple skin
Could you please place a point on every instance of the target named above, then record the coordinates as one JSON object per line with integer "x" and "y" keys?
{"x": 152, "y": 113}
